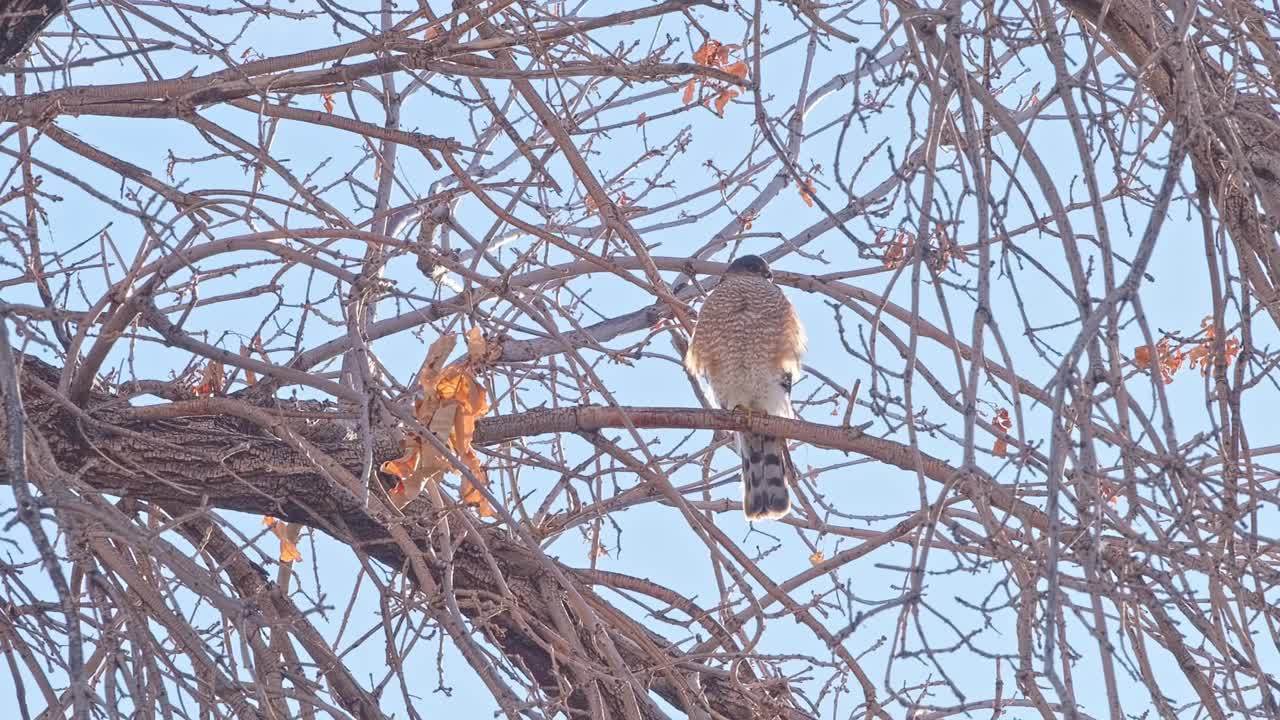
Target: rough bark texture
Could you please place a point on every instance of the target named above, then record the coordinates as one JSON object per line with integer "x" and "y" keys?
{"x": 222, "y": 462}
{"x": 21, "y": 21}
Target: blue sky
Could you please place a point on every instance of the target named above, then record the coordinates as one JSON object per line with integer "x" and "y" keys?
{"x": 654, "y": 541}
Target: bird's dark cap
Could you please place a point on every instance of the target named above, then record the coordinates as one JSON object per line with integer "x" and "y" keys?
{"x": 750, "y": 265}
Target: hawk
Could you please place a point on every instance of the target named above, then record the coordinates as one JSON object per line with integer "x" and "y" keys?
{"x": 747, "y": 343}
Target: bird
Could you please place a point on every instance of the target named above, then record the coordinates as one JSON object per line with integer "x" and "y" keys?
{"x": 747, "y": 342}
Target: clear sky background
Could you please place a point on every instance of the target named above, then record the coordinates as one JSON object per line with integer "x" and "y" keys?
{"x": 654, "y": 541}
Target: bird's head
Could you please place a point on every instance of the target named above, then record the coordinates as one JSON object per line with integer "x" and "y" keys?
{"x": 750, "y": 265}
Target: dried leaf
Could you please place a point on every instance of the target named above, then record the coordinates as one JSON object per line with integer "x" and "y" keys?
{"x": 722, "y": 54}
{"x": 816, "y": 557}
{"x": 212, "y": 380}
{"x": 471, "y": 401}
{"x": 403, "y": 466}
{"x": 433, "y": 32}
{"x": 898, "y": 249}
{"x": 688, "y": 92}
{"x": 708, "y": 53}
{"x": 739, "y": 69}
{"x": 1167, "y": 360}
{"x": 642, "y": 118}
{"x": 1110, "y": 492}
{"x": 441, "y": 424}
{"x": 723, "y": 99}
{"x": 288, "y": 533}
{"x": 806, "y": 190}
{"x": 328, "y": 102}
{"x": 476, "y": 346}
{"x": 250, "y": 377}
{"x": 1202, "y": 354}
{"x": 1002, "y": 423}
{"x": 1142, "y": 356}
{"x": 452, "y": 401}
{"x": 436, "y": 355}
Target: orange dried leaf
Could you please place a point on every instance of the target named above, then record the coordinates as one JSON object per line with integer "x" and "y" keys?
{"x": 1202, "y": 354}
{"x": 441, "y": 426}
{"x": 896, "y": 253}
{"x": 436, "y": 355}
{"x": 212, "y": 380}
{"x": 433, "y": 32}
{"x": 1001, "y": 448}
{"x": 477, "y": 348}
{"x": 402, "y": 467}
{"x": 471, "y": 402}
{"x": 1168, "y": 360}
{"x": 250, "y": 377}
{"x": 688, "y": 92}
{"x": 739, "y": 69}
{"x": 421, "y": 462}
{"x": 452, "y": 401}
{"x": 288, "y": 533}
{"x": 723, "y": 99}
{"x": 289, "y": 552}
{"x": 708, "y": 53}
{"x": 806, "y": 190}
{"x": 1110, "y": 492}
{"x": 816, "y": 557}
{"x": 328, "y": 102}
{"x": 1232, "y": 349}
{"x": 642, "y": 118}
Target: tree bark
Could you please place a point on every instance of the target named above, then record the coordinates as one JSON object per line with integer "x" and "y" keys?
{"x": 186, "y": 464}
{"x": 21, "y": 21}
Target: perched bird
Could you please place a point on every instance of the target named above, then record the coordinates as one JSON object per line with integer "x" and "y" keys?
{"x": 747, "y": 343}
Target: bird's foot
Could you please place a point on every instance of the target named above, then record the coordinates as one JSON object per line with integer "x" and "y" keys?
{"x": 744, "y": 410}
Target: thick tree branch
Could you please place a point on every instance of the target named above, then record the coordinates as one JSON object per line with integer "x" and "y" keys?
{"x": 193, "y": 461}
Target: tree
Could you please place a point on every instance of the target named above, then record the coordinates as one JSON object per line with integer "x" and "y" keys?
{"x": 246, "y": 240}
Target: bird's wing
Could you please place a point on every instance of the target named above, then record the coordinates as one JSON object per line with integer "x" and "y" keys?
{"x": 692, "y": 360}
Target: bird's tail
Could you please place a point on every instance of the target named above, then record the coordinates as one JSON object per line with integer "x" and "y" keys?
{"x": 764, "y": 483}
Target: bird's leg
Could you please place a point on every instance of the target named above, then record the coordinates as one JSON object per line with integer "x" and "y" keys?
{"x": 740, "y": 408}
